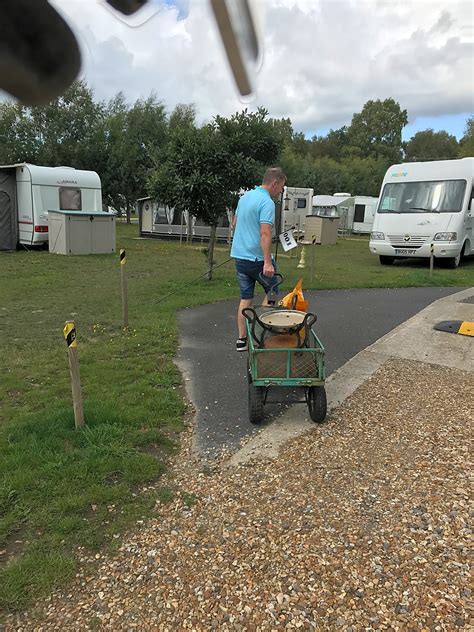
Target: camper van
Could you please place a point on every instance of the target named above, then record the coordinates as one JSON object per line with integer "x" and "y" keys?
{"x": 28, "y": 192}
{"x": 425, "y": 205}
{"x": 297, "y": 204}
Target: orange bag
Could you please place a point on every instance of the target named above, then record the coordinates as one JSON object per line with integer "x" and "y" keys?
{"x": 295, "y": 299}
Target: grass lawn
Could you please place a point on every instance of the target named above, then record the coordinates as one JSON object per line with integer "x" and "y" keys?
{"x": 61, "y": 489}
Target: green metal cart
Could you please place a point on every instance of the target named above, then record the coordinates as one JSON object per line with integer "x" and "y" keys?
{"x": 300, "y": 364}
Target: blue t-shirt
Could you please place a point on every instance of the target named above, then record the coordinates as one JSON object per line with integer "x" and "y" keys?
{"x": 254, "y": 208}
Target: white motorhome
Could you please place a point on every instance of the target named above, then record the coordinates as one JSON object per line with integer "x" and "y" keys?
{"x": 28, "y": 192}
{"x": 297, "y": 204}
{"x": 424, "y": 205}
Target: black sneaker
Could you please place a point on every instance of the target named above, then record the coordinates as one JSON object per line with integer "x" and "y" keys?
{"x": 241, "y": 344}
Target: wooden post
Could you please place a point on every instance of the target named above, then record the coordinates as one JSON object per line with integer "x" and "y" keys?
{"x": 123, "y": 261}
{"x": 71, "y": 340}
{"x": 431, "y": 258}
{"x": 313, "y": 247}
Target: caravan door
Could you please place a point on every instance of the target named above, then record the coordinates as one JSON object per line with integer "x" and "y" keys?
{"x": 8, "y": 211}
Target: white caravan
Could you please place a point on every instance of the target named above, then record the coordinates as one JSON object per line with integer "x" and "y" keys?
{"x": 356, "y": 212}
{"x": 297, "y": 203}
{"x": 28, "y": 192}
{"x": 425, "y": 204}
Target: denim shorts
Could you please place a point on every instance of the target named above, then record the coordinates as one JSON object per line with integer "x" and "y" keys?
{"x": 248, "y": 273}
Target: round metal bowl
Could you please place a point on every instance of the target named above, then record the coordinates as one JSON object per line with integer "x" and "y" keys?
{"x": 282, "y": 319}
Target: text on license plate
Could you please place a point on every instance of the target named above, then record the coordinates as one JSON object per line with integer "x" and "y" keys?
{"x": 404, "y": 251}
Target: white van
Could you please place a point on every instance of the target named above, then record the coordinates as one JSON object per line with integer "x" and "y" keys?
{"x": 425, "y": 204}
{"x": 28, "y": 192}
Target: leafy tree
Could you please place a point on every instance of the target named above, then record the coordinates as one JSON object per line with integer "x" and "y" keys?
{"x": 330, "y": 146}
{"x": 283, "y": 129}
{"x": 134, "y": 138}
{"x": 183, "y": 115}
{"x": 377, "y": 130}
{"x": 195, "y": 177}
{"x": 430, "y": 145}
{"x": 206, "y": 167}
{"x": 466, "y": 145}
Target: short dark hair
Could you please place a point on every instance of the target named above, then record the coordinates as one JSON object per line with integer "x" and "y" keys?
{"x": 272, "y": 174}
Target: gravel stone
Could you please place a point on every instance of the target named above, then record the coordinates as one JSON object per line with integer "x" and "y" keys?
{"x": 360, "y": 524}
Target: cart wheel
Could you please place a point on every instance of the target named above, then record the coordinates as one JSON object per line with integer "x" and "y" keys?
{"x": 317, "y": 403}
{"x": 256, "y": 395}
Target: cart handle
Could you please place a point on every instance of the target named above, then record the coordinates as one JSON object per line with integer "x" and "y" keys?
{"x": 250, "y": 314}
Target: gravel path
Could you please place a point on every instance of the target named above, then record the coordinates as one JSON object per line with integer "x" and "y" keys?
{"x": 360, "y": 524}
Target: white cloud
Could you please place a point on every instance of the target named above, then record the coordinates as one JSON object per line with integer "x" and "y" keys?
{"x": 323, "y": 59}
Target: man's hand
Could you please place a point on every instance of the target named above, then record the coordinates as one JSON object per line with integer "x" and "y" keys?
{"x": 268, "y": 269}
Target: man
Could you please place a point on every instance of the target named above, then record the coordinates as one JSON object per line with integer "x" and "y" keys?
{"x": 251, "y": 246}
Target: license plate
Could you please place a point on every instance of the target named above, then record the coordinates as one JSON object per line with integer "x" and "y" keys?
{"x": 404, "y": 251}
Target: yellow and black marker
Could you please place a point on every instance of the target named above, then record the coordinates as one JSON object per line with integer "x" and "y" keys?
{"x": 123, "y": 258}
{"x": 69, "y": 332}
{"x": 463, "y": 327}
{"x": 313, "y": 239}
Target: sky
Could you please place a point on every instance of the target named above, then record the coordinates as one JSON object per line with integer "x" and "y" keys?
{"x": 322, "y": 59}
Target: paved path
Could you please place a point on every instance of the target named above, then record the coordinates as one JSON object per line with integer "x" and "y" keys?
{"x": 215, "y": 375}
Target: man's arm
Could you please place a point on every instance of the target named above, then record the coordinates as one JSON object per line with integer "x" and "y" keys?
{"x": 266, "y": 243}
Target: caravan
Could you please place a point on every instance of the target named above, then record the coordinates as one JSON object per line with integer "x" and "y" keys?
{"x": 28, "y": 192}
{"x": 425, "y": 206}
{"x": 297, "y": 204}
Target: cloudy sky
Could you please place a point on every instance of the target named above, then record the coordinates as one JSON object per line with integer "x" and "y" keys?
{"x": 322, "y": 60}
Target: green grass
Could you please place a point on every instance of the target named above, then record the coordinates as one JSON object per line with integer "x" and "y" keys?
{"x": 61, "y": 489}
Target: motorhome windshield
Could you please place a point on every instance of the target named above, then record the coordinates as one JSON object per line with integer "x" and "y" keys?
{"x": 444, "y": 196}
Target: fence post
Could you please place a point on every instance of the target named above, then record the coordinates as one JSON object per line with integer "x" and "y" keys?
{"x": 71, "y": 340}
{"x": 313, "y": 247}
{"x": 123, "y": 261}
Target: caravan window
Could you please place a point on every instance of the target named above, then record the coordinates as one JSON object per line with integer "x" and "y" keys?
{"x": 301, "y": 203}
{"x": 70, "y": 199}
{"x": 444, "y": 196}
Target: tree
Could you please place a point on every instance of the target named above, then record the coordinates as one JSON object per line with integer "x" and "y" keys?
{"x": 66, "y": 131}
{"x": 183, "y": 115}
{"x": 430, "y": 145}
{"x": 134, "y": 138}
{"x": 330, "y": 146}
{"x": 377, "y": 130}
{"x": 195, "y": 178}
{"x": 466, "y": 145}
{"x": 205, "y": 168}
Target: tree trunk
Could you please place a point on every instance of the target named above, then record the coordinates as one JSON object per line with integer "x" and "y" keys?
{"x": 210, "y": 251}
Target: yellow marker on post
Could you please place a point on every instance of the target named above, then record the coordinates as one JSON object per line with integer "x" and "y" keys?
{"x": 70, "y": 336}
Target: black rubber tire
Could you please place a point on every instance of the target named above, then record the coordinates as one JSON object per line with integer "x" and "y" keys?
{"x": 385, "y": 260}
{"x": 455, "y": 262}
{"x": 317, "y": 403}
{"x": 256, "y": 396}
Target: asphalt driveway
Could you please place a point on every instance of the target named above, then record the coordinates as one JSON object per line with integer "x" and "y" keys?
{"x": 215, "y": 374}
